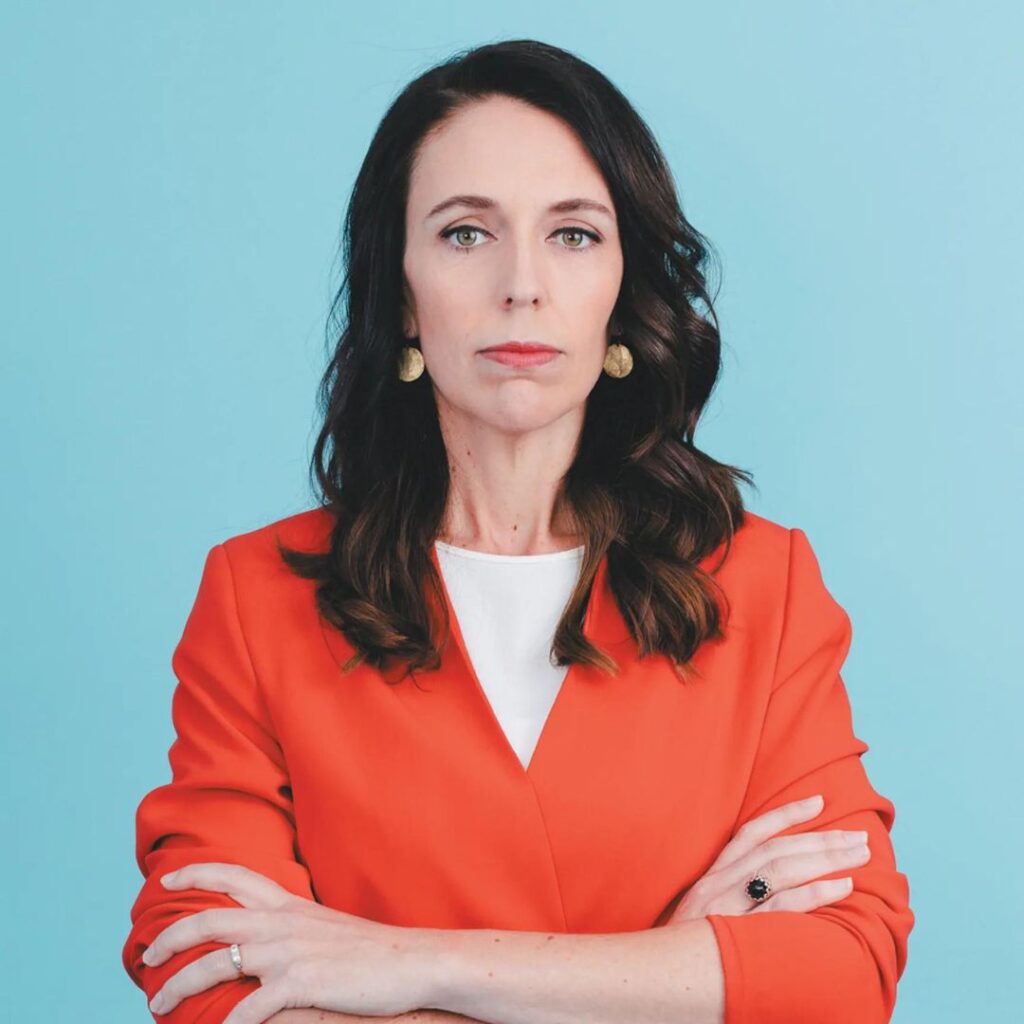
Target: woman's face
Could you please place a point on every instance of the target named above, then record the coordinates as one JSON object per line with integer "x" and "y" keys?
{"x": 515, "y": 269}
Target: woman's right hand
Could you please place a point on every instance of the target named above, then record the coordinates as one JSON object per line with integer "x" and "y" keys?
{"x": 788, "y": 862}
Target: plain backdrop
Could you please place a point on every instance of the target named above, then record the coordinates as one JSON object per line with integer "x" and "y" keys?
{"x": 174, "y": 178}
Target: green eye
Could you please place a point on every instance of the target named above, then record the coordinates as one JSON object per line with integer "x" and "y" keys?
{"x": 470, "y": 229}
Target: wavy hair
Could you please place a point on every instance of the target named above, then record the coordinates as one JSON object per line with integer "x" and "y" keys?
{"x": 639, "y": 490}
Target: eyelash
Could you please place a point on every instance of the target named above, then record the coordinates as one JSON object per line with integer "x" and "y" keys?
{"x": 448, "y": 232}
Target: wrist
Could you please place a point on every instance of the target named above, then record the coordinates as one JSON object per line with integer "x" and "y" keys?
{"x": 426, "y": 959}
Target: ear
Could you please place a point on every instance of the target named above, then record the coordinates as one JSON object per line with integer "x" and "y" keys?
{"x": 409, "y": 326}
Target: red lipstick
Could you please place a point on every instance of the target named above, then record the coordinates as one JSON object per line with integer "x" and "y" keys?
{"x": 520, "y": 353}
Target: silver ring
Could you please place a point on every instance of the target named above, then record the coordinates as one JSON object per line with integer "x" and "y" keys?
{"x": 236, "y": 957}
{"x": 758, "y": 888}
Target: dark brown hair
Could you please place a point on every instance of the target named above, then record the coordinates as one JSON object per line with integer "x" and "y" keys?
{"x": 639, "y": 490}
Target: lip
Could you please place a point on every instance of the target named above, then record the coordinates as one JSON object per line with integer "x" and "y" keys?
{"x": 520, "y": 346}
{"x": 521, "y": 354}
{"x": 509, "y": 357}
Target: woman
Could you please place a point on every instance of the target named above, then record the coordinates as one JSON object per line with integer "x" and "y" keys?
{"x": 663, "y": 819}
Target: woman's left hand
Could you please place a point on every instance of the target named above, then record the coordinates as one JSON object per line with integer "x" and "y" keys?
{"x": 305, "y": 954}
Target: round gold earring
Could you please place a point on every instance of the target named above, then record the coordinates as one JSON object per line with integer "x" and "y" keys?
{"x": 410, "y": 363}
{"x": 618, "y": 360}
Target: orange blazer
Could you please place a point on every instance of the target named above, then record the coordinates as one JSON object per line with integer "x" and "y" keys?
{"x": 407, "y": 804}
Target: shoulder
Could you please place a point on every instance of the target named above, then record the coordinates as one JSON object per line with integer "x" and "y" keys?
{"x": 758, "y": 551}
{"x": 755, "y": 565}
{"x": 273, "y": 603}
{"x": 256, "y": 551}
{"x": 763, "y": 563}
{"x": 254, "y": 558}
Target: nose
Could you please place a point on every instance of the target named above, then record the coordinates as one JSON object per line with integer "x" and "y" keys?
{"x": 522, "y": 283}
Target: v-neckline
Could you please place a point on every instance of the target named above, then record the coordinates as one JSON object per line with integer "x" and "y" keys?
{"x": 548, "y": 733}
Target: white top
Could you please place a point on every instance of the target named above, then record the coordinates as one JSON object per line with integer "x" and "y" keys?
{"x": 507, "y": 608}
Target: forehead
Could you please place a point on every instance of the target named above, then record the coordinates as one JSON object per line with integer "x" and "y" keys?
{"x": 505, "y": 148}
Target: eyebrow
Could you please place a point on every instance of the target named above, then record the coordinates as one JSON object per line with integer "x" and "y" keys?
{"x": 485, "y": 203}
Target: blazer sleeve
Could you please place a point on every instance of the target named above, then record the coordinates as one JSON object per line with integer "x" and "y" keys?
{"x": 839, "y": 963}
{"x": 229, "y": 798}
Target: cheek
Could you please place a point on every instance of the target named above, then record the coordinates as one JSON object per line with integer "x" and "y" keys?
{"x": 449, "y": 313}
{"x": 597, "y": 290}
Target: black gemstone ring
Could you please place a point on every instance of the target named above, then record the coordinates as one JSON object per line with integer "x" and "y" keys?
{"x": 759, "y": 888}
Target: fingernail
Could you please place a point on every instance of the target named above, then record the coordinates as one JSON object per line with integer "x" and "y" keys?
{"x": 813, "y": 801}
{"x": 157, "y": 1004}
{"x": 169, "y": 877}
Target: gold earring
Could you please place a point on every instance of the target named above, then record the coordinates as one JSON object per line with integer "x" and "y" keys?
{"x": 618, "y": 360}
{"x": 410, "y": 363}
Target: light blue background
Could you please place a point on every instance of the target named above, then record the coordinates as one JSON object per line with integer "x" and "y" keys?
{"x": 174, "y": 178}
